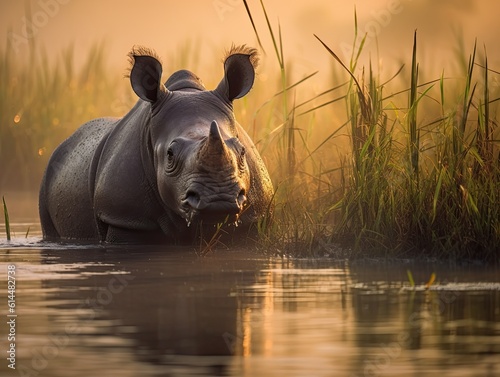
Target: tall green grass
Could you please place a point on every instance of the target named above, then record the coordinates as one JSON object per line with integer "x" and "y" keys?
{"x": 436, "y": 190}
{"x": 41, "y": 103}
{"x": 404, "y": 186}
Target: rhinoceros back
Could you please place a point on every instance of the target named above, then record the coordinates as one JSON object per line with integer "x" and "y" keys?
{"x": 67, "y": 187}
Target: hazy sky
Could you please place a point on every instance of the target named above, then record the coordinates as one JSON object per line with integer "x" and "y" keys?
{"x": 166, "y": 25}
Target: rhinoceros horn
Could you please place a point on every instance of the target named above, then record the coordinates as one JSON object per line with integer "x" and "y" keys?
{"x": 214, "y": 150}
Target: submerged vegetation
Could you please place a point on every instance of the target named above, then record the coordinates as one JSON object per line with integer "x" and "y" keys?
{"x": 356, "y": 167}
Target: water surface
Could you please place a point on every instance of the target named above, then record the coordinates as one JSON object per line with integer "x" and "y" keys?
{"x": 140, "y": 311}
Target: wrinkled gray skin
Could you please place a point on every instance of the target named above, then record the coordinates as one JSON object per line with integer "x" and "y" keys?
{"x": 176, "y": 160}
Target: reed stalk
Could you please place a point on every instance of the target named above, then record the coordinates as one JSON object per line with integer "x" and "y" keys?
{"x": 6, "y": 218}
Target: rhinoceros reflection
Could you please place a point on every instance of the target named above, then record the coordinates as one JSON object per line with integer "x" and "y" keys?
{"x": 168, "y": 304}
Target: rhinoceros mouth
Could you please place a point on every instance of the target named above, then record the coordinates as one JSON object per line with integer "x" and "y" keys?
{"x": 198, "y": 217}
{"x": 225, "y": 211}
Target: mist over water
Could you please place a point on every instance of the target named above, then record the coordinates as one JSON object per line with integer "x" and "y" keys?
{"x": 215, "y": 24}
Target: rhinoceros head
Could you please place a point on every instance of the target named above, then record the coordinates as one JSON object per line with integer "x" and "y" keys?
{"x": 200, "y": 163}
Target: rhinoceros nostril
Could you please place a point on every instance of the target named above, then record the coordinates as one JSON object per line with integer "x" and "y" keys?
{"x": 242, "y": 199}
{"x": 192, "y": 199}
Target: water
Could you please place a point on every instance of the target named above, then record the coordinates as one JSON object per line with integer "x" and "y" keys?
{"x": 142, "y": 311}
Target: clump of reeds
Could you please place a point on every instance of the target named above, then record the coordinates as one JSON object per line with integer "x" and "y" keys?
{"x": 405, "y": 186}
{"x": 42, "y": 101}
{"x": 435, "y": 191}
{"x": 303, "y": 182}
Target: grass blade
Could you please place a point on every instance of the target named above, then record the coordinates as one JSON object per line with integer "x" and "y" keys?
{"x": 334, "y": 55}
{"x": 436, "y": 193}
{"x": 271, "y": 33}
{"x": 410, "y": 278}
{"x": 364, "y": 101}
{"x": 6, "y": 216}
{"x": 253, "y": 25}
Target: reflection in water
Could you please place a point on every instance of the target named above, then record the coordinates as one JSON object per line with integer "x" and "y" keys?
{"x": 470, "y": 324}
{"x": 141, "y": 311}
{"x": 313, "y": 320}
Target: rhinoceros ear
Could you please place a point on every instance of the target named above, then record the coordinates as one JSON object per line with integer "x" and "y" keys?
{"x": 145, "y": 74}
{"x": 239, "y": 73}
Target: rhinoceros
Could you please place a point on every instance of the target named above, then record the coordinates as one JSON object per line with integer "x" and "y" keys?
{"x": 176, "y": 160}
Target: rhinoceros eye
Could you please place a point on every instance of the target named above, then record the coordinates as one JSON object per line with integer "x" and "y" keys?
{"x": 241, "y": 159}
{"x": 171, "y": 157}
{"x": 170, "y": 154}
